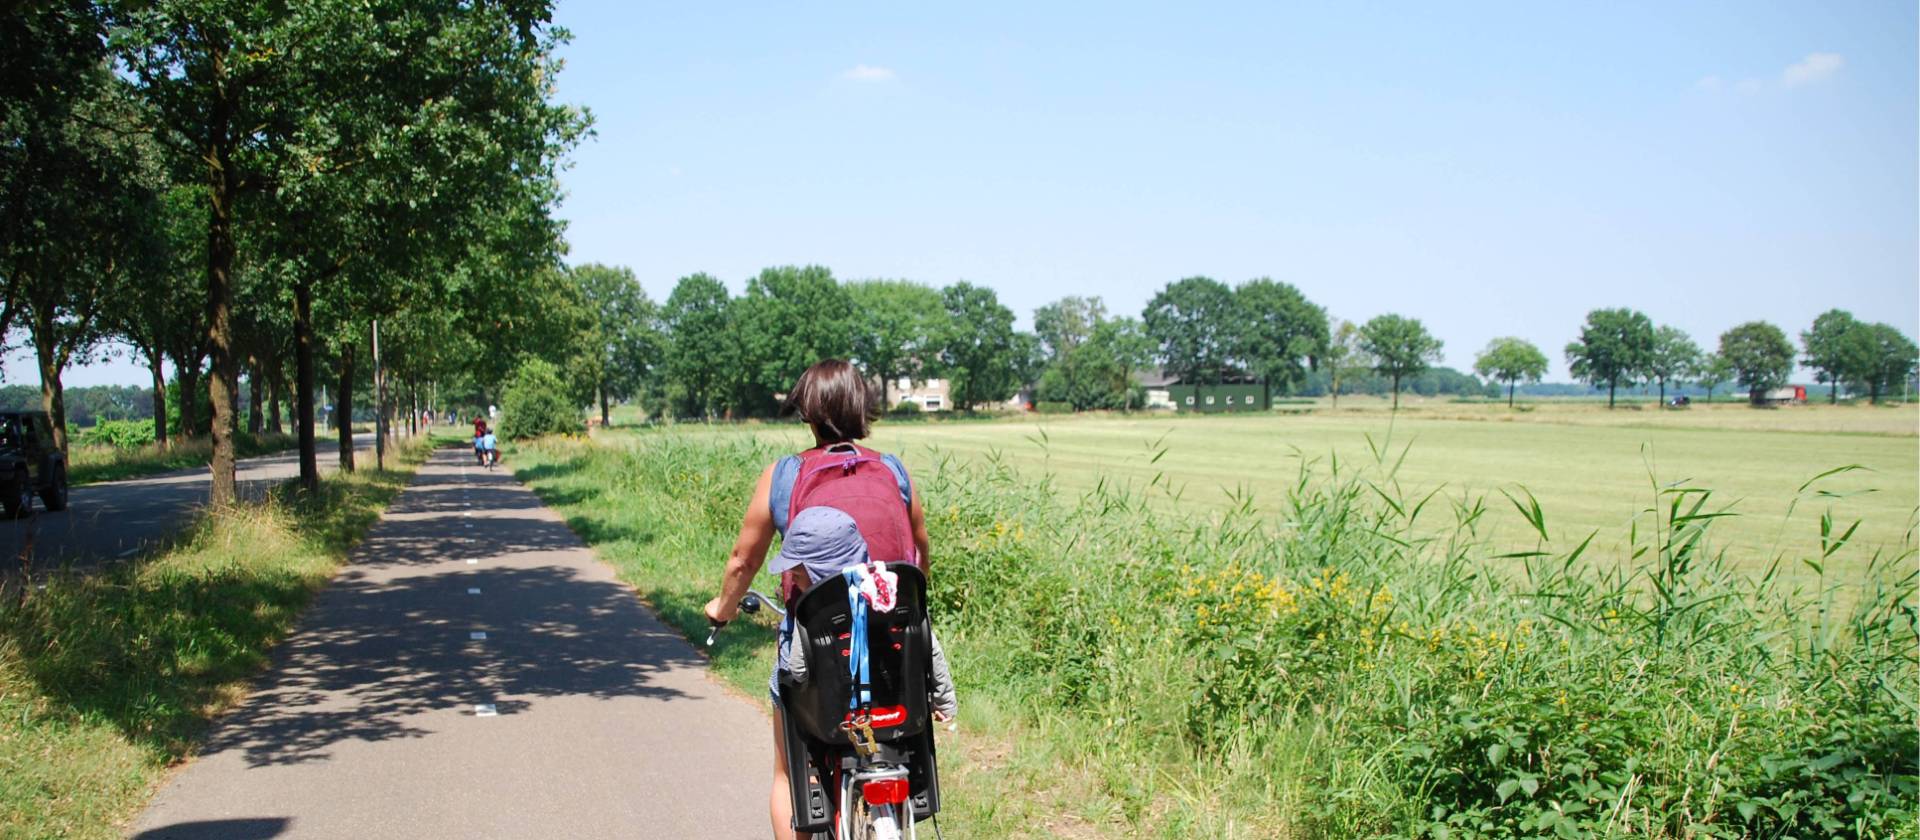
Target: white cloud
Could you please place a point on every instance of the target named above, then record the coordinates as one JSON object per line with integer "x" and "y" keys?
{"x": 1816, "y": 67}
{"x": 868, "y": 73}
{"x": 1813, "y": 68}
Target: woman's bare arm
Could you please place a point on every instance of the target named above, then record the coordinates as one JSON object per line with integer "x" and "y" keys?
{"x": 748, "y": 555}
{"x": 919, "y": 517}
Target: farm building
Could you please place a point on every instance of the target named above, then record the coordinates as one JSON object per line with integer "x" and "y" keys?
{"x": 1235, "y": 393}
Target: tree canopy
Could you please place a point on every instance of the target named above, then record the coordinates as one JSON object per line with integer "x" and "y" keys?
{"x": 1759, "y": 356}
{"x": 1400, "y": 347}
{"x": 1511, "y": 360}
{"x": 1613, "y": 348}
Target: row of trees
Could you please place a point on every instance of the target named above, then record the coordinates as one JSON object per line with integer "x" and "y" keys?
{"x": 707, "y": 353}
{"x": 238, "y": 188}
{"x": 1623, "y": 347}
{"x": 734, "y": 356}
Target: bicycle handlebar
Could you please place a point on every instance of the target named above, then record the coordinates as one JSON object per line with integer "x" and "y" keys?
{"x": 750, "y": 604}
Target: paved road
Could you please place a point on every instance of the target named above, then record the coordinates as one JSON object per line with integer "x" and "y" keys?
{"x": 603, "y": 721}
{"x": 112, "y": 520}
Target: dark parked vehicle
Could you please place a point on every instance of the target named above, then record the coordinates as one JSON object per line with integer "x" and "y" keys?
{"x": 30, "y": 465}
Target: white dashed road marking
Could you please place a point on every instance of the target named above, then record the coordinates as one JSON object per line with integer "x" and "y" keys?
{"x": 484, "y": 710}
{"x": 473, "y": 590}
{"x": 478, "y": 635}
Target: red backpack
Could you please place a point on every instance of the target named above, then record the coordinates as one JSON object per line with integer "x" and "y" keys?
{"x": 869, "y": 487}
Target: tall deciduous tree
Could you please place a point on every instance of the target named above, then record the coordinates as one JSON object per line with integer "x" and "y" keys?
{"x": 1673, "y": 359}
{"x": 789, "y": 318}
{"x": 1066, "y": 323}
{"x": 1889, "y": 360}
{"x": 897, "y": 328}
{"x": 979, "y": 352}
{"x": 1828, "y": 344}
{"x": 626, "y": 335}
{"x": 1192, "y": 320}
{"x": 1759, "y": 355}
{"x": 697, "y": 343}
{"x": 1511, "y": 360}
{"x": 1277, "y": 333}
{"x": 1347, "y": 357}
{"x": 1400, "y": 347}
{"x": 1613, "y": 348}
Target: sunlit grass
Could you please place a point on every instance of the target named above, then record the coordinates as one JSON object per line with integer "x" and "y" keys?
{"x": 1351, "y": 659}
{"x": 107, "y": 679}
{"x": 89, "y": 464}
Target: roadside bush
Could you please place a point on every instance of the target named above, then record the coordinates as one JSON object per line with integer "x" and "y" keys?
{"x": 117, "y": 434}
{"x": 905, "y": 407}
{"x": 536, "y": 403}
{"x": 1053, "y": 407}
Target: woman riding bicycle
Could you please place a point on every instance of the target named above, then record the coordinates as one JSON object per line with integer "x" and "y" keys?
{"x": 834, "y": 400}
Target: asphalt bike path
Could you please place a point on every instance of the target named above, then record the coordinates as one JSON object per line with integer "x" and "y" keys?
{"x": 476, "y": 672}
{"x": 114, "y": 520}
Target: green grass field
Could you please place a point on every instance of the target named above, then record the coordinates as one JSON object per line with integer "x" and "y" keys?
{"x": 1592, "y": 470}
{"x": 1136, "y": 664}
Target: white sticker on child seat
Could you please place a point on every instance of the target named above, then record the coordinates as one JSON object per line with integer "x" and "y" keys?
{"x": 484, "y": 710}
{"x": 472, "y": 561}
{"x": 473, "y": 590}
{"x": 478, "y": 635}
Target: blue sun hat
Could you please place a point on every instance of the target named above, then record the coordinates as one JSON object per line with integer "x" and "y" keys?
{"x": 823, "y": 539}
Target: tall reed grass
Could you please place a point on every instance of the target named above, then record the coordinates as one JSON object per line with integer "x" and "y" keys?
{"x": 1353, "y": 660}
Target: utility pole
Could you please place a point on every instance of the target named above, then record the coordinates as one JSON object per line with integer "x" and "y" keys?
{"x": 379, "y": 404}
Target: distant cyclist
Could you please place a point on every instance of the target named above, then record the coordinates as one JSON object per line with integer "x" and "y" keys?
{"x": 835, "y": 401}
{"x": 480, "y": 442}
{"x": 492, "y": 448}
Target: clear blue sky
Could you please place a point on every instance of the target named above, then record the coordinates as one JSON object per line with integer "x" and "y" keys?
{"x": 1490, "y": 169}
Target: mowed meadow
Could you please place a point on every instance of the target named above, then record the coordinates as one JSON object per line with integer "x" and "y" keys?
{"x": 1315, "y": 647}
{"x": 1591, "y": 470}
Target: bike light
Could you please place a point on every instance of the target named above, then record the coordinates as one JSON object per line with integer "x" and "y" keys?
{"x": 885, "y": 791}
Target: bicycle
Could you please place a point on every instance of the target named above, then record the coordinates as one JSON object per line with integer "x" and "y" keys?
{"x": 885, "y": 780}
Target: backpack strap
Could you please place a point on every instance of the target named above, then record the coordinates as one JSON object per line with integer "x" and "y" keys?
{"x": 900, "y": 476}
{"x": 786, "y": 473}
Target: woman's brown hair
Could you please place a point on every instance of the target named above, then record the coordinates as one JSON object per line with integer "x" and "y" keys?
{"x": 835, "y": 400}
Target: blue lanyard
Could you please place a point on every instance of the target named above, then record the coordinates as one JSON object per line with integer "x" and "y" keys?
{"x": 862, "y": 696}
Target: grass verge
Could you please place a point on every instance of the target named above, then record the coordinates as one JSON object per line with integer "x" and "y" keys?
{"x": 1358, "y": 664}
{"x": 91, "y": 464}
{"x": 106, "y": 680}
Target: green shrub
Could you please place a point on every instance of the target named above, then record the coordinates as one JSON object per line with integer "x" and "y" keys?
{"x": 117, "y": 434}
{"x": 908, "y": 407}
{"x": 1053, "y": 407}
{"x": 536, "y": 403}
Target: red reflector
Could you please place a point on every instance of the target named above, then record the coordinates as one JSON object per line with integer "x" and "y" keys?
{"x": 885, "y": 792}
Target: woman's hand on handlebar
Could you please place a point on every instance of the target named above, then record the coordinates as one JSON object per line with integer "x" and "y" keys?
{"x": 720, "y": 611}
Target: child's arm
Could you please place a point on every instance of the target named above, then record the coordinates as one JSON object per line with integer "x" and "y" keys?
{"x": 946, "y": 703}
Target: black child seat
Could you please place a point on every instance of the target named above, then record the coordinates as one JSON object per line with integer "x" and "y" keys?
{"x": 900, "y": 665}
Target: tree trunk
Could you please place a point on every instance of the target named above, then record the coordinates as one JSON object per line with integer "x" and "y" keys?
{"x": 274, "y": 387}
{"x": 1396, "y": 392}
{"x": 1610, "y": 387}
{"x": 1509, "y": 393}
{"x": 343, "y": 408}
{"x": 187, "y": 373}
{"x": 605, "y": 419}
{"x": 222, "y": 183}
{"x": 1663, "y": 393}
{"x": 159, "y": 399}
{"x": 53, "y": 397}
{"x": 255, "y": 422}
{"x": 303, "y": 375}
